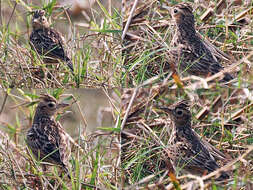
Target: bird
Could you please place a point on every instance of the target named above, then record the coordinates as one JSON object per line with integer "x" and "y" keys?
{"x": 186, "y": 150}
{"x": 195, "y": 55}
{"x": 46, "y": 41}
{"x": 46, "y": 138}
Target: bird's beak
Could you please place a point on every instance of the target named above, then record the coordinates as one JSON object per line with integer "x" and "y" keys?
{"x": 166, "y": 109}
{"x": 168, "y": 8}
{"x": 62, "y": 105}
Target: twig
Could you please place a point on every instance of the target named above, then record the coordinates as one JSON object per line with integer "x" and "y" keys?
{"x": 232, "y": 67}
{"x": 250, "y": 149}
{"x": 128, "y": 108}
{"x": 11, "y": 14}
{"x": 4, "y": 102}
{"x": 79, "y": 109}
{"x": 110, "y": 100}
{"x": 129, "y": 20}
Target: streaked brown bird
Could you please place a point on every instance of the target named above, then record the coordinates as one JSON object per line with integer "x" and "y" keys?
{"x": 46, "y": 41}
{"x": 186, "y": 150}
{"x": 193, "y": 54}
{"x": 47, "y": 138}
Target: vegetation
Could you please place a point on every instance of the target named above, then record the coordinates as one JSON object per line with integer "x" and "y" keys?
{"x": 147, "y": 40}
{"x": 138, "y": 71}
{"x": 94, "y": 47}
{"x": 94, "y": 158}
{"x": 222, "y": 113}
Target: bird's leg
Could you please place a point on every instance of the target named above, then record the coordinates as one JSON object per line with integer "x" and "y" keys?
{"x": 205, "y": 172}
{"x": 64, "y": 171}
{"x": 209, "y": 74}
{"x": 44, "y": 167}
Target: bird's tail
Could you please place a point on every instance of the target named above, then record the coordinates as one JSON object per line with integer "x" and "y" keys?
{"x": 70, "y": 64}
{"x": 223, "y": 176}
{"x": 215, "y": 68}
{"x": 66, "y": 171}
{"x": 227, "y": 77}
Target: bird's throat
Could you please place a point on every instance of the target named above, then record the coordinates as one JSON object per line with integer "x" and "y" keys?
{"x": 42, "y": 116}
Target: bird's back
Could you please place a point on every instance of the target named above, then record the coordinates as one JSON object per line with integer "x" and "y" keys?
{"x": 48, "y": 42}
{"x": 192, "y": 155}
{"x": 46, "y": 141}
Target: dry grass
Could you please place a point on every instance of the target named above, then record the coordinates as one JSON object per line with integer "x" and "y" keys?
{"x": 147, "y": 40}
{"x": 222, "y": 113}
{"x": 93, "y": 43}
{"x": 94, "y": 47}
{"x": 94, "y": 159}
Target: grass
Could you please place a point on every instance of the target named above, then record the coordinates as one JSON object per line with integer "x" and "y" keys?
{"x": 94, "y": 156}
{"x": 222, "y": 113}
{"x": 218, "y": 109}
{"x": 147, "y": 41}
{"x": 146, "y": 133}
{"x": 94, "y": 48}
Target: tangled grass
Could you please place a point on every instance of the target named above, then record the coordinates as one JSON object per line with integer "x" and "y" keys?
{"x": 95, "y": 154}
{"x": 94, "y": 47}
{"x": 147, "y": 41}
{"x": 222, "y": 113}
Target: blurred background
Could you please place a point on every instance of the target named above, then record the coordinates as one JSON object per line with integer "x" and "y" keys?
{"x": 92, "y": 120}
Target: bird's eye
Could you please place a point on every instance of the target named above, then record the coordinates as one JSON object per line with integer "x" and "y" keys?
{"x": 179, "y": 112}
{"x": 51, "y": 104}
{"x": 175, "y": 11}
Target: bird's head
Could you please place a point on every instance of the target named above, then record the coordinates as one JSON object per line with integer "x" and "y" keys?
{"x": 179, "y": 113}
{"x": 182, "y": 13}
{"x": 49, "y": 106}
{"x": 39, "y": 20}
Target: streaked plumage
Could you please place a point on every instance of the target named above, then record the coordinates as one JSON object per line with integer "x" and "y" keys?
{"x": 47, "y": 41}
{"x": 46, "y": 138}
{"x": 193, "y": 54}
{"x": 186, "y": 149}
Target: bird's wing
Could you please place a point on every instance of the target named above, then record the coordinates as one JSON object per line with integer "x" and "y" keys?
{"x": 46, "y": 139}
{"x": 33, "y": 140}
{"x": 48, "y": 42}
{"x": 196, "y": 59}
{"x": 218, "y": 155}
{"x": 64, "y": 145}
{"x": 220, "y": 55}
{"x": 195, "y": 155}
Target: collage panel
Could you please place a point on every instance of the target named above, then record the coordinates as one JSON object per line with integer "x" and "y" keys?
{"x": 60, "y": 44}
{"x": 60, "y": 139}
{"x": 190, "y": 40}
{"x": 131, "y": 94}
{"x": 175, "y": 139}
{"x": 186, "y": 102}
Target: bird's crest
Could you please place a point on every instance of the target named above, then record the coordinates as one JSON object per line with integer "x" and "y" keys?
{"x": 38, "y": 13}
{"x": 185, "y": 6}
{"x": 183, "y": 104}
{"x": 47, "y": 98}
